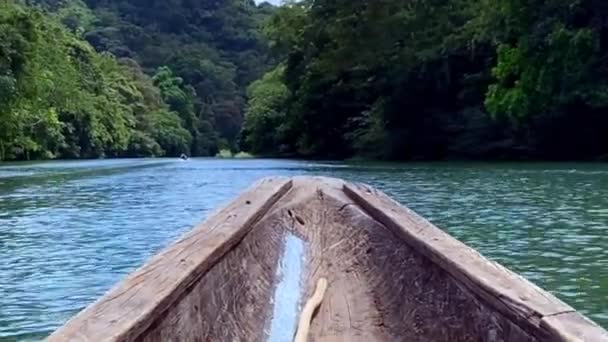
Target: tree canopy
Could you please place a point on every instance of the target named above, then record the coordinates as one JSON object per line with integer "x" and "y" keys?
{"x": 434, "y": 79}
{"x": 89, "y": 79}
{"x": 396, "y": 80}
{"x": 214, "y": 47}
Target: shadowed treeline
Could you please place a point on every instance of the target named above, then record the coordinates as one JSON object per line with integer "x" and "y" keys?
{"x": 466, "y": 79}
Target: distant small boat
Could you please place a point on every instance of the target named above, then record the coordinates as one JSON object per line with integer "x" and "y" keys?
{"x": 324, "y": 260}
{"x": 184, "y": 157}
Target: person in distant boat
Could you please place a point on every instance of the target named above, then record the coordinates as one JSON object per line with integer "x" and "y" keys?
{"x": 184, "y": 157}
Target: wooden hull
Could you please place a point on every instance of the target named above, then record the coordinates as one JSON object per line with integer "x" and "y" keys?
{"x": 244, "y": 274}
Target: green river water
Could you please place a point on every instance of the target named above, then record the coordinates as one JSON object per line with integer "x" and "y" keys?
{"x": 70, "y": 230}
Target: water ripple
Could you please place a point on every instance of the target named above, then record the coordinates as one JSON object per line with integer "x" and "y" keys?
{"x": 70, "y": 230}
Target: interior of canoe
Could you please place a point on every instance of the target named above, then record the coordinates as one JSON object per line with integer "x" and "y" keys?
{"x": 379, "y": 288}
{"x": 245, "y": 274}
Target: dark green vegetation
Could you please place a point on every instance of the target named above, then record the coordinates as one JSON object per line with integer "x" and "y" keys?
{"x": 414, "y": 79}
{"x": 434, "y": 79}
{"x": 123, "y": 78}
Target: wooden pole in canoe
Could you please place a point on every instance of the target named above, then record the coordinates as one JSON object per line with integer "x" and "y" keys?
{"x": 309, "y": 309}
{"x": 216, "y": 283}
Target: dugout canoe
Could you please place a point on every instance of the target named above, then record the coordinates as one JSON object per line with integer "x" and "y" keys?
{"x": 246, "y": 273}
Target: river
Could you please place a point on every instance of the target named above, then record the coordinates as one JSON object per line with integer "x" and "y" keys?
{"x": 70, "y": 230}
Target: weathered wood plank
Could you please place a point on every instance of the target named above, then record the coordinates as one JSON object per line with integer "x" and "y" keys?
{"x": 510, "y": 294}
{"x": 572, "y": 326}
{"x": 380, "y": 288}
{"x": 130, "y": 308}
{"x": 233, "y": 300}
{"x": 392, "y": 276}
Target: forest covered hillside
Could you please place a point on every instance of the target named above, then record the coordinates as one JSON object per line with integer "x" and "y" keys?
{"x": 394, "y": 80}
{"x": 434, "y": 79}
{"x": 117, "y": 78}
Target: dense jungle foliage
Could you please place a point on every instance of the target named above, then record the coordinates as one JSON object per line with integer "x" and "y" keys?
{"x": 397, "y": 80}
{"x": 117, "y": 78}
{"x": 434, "y": 79}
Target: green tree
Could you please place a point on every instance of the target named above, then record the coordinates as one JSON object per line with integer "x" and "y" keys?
{"x": 266, "y": 126}
{"x": 61, "y": 98}
{"x": 214, "y": 47}
{"x": 441, "y": 79}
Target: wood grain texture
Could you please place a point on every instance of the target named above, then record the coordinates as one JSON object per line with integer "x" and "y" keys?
{"x": 133, "y": 305}
{"x": 572, "y": 326}
{"x": 232, "y": 302}
{"x": 504, "y": 291}
{"x": 392, "y": 276}
{"x": 380, "y": 289}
